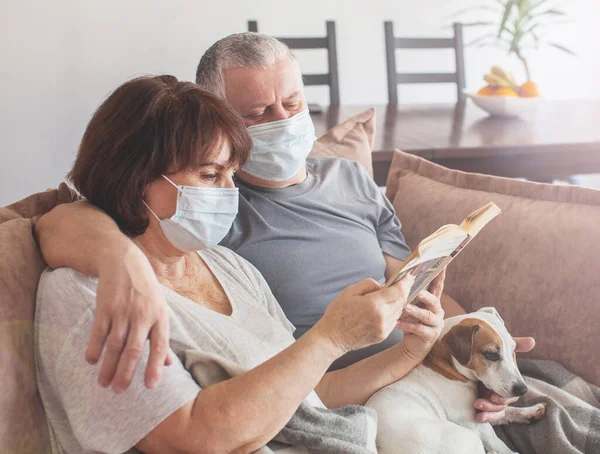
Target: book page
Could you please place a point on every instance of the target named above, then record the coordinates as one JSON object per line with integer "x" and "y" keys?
{"x": 441, "y": 248}
{"x": 426, "y": 271}
{"x": 480, "y": 218}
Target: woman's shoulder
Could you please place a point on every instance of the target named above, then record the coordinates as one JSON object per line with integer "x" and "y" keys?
{"x": 65, "y": 291}
{"x": 232, "y": 264}
{"x": 224, "y": 256}
{"x": 65, "y": 305}
{"x": 66, "y": 279}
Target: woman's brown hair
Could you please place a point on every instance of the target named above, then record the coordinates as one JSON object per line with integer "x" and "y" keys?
{"x": 147, "y": 127}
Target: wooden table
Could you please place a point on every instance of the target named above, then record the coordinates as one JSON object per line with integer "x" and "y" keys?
{"x": 562, "y": 138}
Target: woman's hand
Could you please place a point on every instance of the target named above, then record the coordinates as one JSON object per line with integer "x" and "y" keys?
{"x": 424, "y": 325}
{"x": 364, "y": 314}
{"x": 130, "y": 309}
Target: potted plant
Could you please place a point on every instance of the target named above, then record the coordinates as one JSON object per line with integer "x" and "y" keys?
{"x": 519, "y": 26}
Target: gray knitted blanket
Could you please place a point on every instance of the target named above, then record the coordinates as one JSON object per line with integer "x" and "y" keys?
{"x": 348, "y": 430}
{"x": 572, "y": 421}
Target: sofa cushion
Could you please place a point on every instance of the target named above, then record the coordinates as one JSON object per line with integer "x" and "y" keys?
{"x": 22, "y": 424}
{"x": 352, "y": 139}
{"x": 537, "y": 263}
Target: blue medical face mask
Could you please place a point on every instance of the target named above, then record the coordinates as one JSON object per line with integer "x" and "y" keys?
{"x": 203, "y": 216}
{"x": 280, "y": 147}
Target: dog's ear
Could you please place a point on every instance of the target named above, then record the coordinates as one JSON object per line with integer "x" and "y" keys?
{"x": 493, "y": 311}
{"x": 459, "y": 341}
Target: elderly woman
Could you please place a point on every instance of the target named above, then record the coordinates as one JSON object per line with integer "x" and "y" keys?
{"x": 158, "y": 156}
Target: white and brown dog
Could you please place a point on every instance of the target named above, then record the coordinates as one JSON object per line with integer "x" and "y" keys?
{"x": 431, "y": 409}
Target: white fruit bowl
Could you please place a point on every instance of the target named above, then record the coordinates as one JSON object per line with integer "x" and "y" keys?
{"x": 505, "y": 106}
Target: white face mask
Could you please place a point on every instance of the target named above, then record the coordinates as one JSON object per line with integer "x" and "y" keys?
{"x": 280, "y": 147}
{"x": 202, "y": 219}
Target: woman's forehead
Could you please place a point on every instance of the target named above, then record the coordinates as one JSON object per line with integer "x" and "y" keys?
{"x": 224, "y": 155}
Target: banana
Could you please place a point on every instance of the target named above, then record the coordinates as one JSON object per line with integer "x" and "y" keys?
{"x": 498, "y": 77}
{"x": 496, "y": 81}
{"x": 500, "y": 73}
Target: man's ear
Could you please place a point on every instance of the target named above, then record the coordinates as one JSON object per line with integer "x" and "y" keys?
{"x": 459, "y": 341}
{"x": 493, "y": 311}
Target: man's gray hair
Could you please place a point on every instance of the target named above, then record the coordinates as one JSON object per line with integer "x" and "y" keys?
{"x": 241, "y": 50}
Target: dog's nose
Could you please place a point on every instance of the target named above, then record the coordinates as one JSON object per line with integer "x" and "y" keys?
{"x": 519, "y": 389}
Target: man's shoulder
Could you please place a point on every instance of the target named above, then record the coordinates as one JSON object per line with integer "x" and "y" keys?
{"x": 327, "y": 165}
{"x": 345, "y": 174}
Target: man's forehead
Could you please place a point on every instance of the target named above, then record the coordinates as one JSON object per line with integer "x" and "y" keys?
{"x": 254, "y": 87}
{"x": 265, "y": 102}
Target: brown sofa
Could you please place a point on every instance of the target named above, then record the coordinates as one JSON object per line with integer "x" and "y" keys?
{"x": 22, "y": 424}
{"x": 537, "y": 264}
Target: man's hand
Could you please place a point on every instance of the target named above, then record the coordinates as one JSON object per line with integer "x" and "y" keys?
{"x": 130, "y": 309}
{"x": 424, "y": 325}
{"x": 493, "y": 409}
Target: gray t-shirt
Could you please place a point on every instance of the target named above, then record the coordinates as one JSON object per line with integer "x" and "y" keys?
{"x": 85, "y": 418}
{"x": 312, "y": 240}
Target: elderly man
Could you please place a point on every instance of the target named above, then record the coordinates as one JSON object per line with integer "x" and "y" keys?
{"x": 311, "y": 227}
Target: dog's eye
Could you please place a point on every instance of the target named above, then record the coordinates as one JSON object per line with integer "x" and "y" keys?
{"x": 492, "y": 356}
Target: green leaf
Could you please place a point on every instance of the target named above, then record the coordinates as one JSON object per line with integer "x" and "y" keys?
{"x": 563, "y": 48}
{"x": 537, "y": 5}
{"x": 532, "y": 28}
{"x": 522, "y": 7}
{"x": 486, "y": 44}
{"x": 476, "y": 24}
{"x": 505, "y": 16}
{"x": 481, "y": 38}
{"x": 516, "y": 40}
{"x": 473, "y": 9}
{"x": 551, "y": 12}
{"x": 536, "y": 39}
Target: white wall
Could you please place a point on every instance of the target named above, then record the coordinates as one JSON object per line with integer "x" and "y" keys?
{"x": 60, "y": 58}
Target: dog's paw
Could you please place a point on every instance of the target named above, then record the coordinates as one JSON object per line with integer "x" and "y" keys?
{"x": 525, "y": 415}
{"x": 538, "y": 412}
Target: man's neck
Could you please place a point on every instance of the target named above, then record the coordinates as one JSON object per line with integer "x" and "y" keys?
{"x": 255, "y": 181}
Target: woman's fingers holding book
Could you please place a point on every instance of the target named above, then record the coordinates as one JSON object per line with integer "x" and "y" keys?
{"x": 436, "y": 286}
{"x": 398, "y": 292}
{"x": 424, "y": 316}
{"x": 431, "y": 301}
{"x": 428, "y": 334}
{"x": 421, "y": 335}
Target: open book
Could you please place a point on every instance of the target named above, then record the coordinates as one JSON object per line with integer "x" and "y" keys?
{"x": 437, "y": 250}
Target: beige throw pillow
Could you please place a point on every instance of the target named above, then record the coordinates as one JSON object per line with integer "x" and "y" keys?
{"x": 537, "y": 263}
{"x": 352, "y": 139}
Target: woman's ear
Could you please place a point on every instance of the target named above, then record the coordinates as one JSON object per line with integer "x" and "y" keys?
{"x": 459, "y": 341}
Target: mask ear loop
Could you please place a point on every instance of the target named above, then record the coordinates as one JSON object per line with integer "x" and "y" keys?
{"x": 150, "y": 209}
{"x": 153, "y": 213}
{"x": 176, "y": 186}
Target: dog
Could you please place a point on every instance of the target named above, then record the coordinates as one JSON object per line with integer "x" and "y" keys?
{"x": 431, "y": 409}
